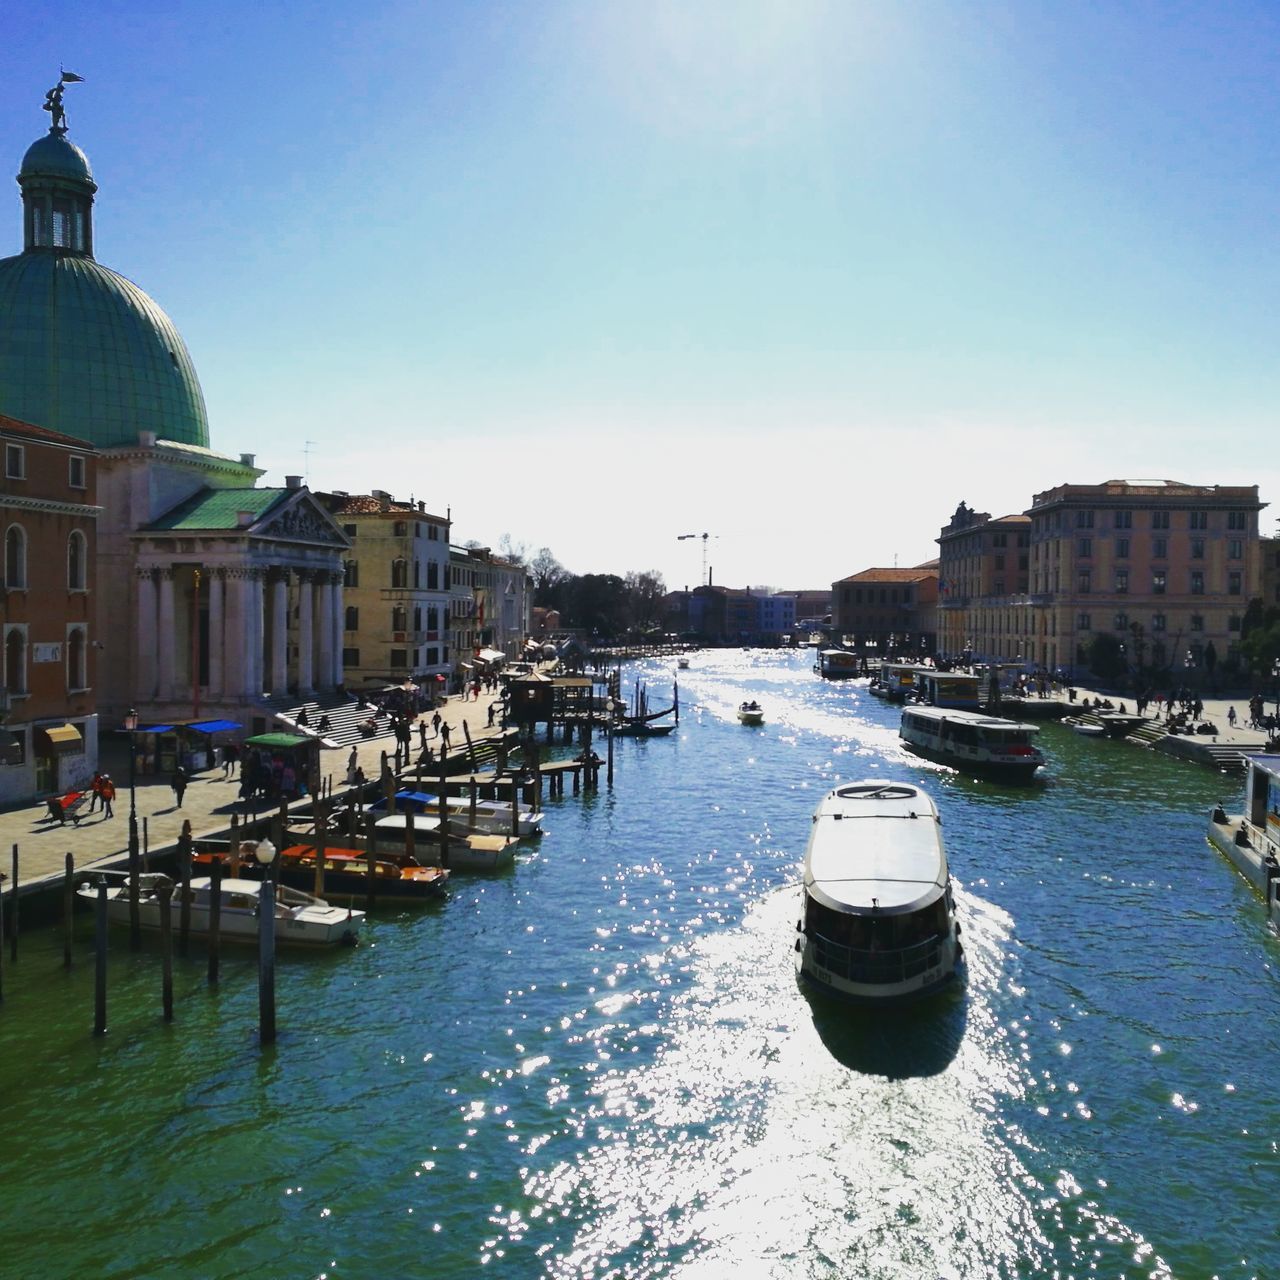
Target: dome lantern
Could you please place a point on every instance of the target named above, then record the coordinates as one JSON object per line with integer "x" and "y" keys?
{"x": 57, "y": 186}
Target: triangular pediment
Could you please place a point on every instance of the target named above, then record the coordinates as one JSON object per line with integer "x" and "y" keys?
{"x": 301, "y": 519}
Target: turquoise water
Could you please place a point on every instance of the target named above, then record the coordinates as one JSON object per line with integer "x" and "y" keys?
{"x": 600, "y": 1064}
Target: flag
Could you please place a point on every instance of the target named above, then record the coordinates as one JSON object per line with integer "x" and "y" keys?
{"x": 70, "y": 77}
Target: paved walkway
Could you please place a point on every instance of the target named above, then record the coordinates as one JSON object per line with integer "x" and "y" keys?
{"x": 209, "y": 802}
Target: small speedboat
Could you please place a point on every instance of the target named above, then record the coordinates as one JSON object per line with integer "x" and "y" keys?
{"x": 683, "y": 664}
{"x": 751, "y": 713}
{"x": 301, "y": 918}
{"x": 1085, "y": 729}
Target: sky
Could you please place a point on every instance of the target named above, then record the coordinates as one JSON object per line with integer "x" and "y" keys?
{"x": 798, "y": 275}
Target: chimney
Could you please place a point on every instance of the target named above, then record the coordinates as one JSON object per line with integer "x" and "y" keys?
{"x": 422, "y": 507}
{"x": 293, "y": 482}
{"x": 384, "y": 499}
{"x": 246, "y": 459}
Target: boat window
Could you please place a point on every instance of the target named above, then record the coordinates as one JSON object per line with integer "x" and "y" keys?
{"x": 240, "y": 900}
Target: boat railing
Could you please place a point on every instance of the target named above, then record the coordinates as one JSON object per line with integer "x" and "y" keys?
{"x": 877, "y": 967}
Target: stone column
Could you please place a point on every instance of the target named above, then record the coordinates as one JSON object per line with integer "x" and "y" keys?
{"x": 306, "y": 637}
{"x": 324, "y": 632}
{"x": 279, "y": 633}
{"x": 165, "y": 638}
{"x": 339, "y": 622}
{"x": 217, "y": 646}
{"x": 145, "y": 654}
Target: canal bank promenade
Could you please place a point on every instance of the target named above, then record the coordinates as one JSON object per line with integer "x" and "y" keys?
{"x": 209, "y": 801}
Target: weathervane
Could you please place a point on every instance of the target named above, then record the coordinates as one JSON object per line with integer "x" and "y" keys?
{"x": 53, "y": 102}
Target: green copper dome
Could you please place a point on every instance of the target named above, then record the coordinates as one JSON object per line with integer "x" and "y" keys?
{"x": 83, "y": 350}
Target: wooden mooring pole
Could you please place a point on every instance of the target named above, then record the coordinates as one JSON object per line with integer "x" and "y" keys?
{"x": 267, "y": 962}
{"x": 13, "y": 910}
{"x": 135, "y": 893}
{"x": 68, "y": 907}
{"x": 100, "y": 961}
{"x": 215, "y": 920}
{"x": 164, "y": 891}
{"x": 184, "y": 882}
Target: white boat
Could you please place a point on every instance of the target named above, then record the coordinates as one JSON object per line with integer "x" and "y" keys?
{"x": 970, "y": 740}
{"x": 751, "y": 713}
{"x": 301, "y": 918}
{"x": 683, "y": 664}
{"x": 1085, "y": 729}
{"x": 1251, "y": 840}
{"x": 837, "y": 664}
{"x": 877, "y": 912}
{"x": 468, "y": 851}
{"x": 492, "y": 817}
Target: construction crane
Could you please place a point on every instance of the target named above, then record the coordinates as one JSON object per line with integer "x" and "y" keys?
{"x": 682, "y": 537}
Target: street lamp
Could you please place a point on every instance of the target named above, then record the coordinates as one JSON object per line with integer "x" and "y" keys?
{"x": 266, "y": 855}
{"x": 131, "y": 726}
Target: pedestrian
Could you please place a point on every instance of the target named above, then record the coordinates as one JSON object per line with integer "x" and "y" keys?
{"x": 444, "y": 735}
{"x": 435, "y": 722}
{"x": 353, "y": 761}
{"x": 492, "y": 708}
{"x": 179, "y": 784}
{"x": 229, "y": 755}
{"x": 358, "y": 778}
{"x": 95, "y": 791}
{"x": 107, "y": 790}
{"x": 1231, "y": 717}
{"x": 422, "y": 734}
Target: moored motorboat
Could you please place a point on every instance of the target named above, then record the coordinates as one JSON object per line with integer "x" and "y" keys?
{"x": 877, "y": 918}
{"x": 1084, "y": 728}
{"x": 301, "y": 918}
{"x": 837, "y": 664}
{"x": 968, "y": 740}
{"x": 463, "y": 852}
{"x": 491, "y": 817}
{"x": 347, "y": 871}
{"x": 683, "y": 664}
{"x": 751, "y": 713}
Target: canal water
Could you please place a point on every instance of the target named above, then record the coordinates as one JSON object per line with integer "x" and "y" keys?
{"x": 601, "y": 1065}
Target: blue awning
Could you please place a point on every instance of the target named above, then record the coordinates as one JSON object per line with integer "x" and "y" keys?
{"x": 214, "y": 726}
{"x": 154, "y": 728}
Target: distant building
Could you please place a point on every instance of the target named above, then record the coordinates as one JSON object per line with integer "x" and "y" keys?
{"x": 1165, "y": 568}
{"x": 490, "y": 608}
{"x": 887, "y": 610}
{"x": 395, "y": 616}
{"x": 730, "y": 616}
{"x": 48, "y": 654}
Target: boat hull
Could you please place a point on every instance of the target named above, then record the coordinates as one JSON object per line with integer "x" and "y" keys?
{"x": 995, "y": 770}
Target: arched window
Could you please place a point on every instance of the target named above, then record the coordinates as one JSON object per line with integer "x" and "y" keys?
{"x": 15, "y": 557}
{"x": 399, "y": 618}
{"x": 353, "y": 618}
{"x": 77, "y": 671}
{"x": 399, "y": 573}
{"x": 15, "y": 661}
{"x": 76, "y": 564}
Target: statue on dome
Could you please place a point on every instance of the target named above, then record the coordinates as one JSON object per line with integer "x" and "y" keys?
{"x": 53, "y": 102}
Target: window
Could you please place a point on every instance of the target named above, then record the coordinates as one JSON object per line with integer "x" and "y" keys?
{"x": 402, "y": 528}
{"x": 1238, "y": 520}
{"x": 1197, "y": 582}
{"x": 350, "y": 530}
{"x": 417, "y": 617}
{"x": 1197, "y": 548}
{"x": 417, "y": 572}
{"x": 1233, "y": 622}
{"x": 352, "y": 621}
{"x": 1083, "y": 582}
{"x": 75, "y": 471}
{"x": 399, "y": 659}
{"x": 433, "y": 618}
{"x": 76, "y": 564}
{"x": 999, "y": 586}
{"x": 1084, "y": 548}
{"x": 1157, "y": 622}
{"x": 351, "y": 657}
{"x": 999, "y": 539}
{"x": 1084, "y": 622}
{"x": 1084, "y": 519}
{"x": 1122, "y": 548}
{"x": 15, "y": 558}
{"x": 1159, "y": 578}
{"x": 1159, "y": 549}
{"x": 1199, "y": 520}
{"x": 1234, "y": 582}
{"x": 433, "y": 533}
{"x": 1197, "y": 622}
{"x": 433, "y": 654}
{"x": 1158, "y": 653}
{"x": 15, "y": 462}
{"x": 77, "y": 667}
{"x": 15, "y": 660}
{"x": 1235, "y": 549}
{"x": 1122, "y": 582}
{"x": 1121, "y": 622}
{"x": 351, "y": 573}
{"x": 1124, "y": 519}
{"x": 999, "y": 562}
{"x": 399, "y": 573}
{"x": 399, "y": 618}
{"x": 1159, "y": 519}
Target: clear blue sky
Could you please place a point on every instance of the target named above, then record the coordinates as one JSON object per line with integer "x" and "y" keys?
{"x": 802, "y": 275}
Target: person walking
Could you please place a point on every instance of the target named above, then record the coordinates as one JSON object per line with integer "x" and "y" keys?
{"x": 95, "y": 791}
{"x": 179, "y": 784}
{"x": 1231, "y": 717}
{"x": 352, "y": 761}
{"x": 444, "y": 736}
{"x": 107, "y": 790}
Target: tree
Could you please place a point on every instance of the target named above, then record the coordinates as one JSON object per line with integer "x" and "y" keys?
{"x": 512, "y": 551}
{"x": 645, "y": 592}
{"x": 595, "y": 603}
{"x": 1106, "y": 656}
{"x": 548, "y": 576}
